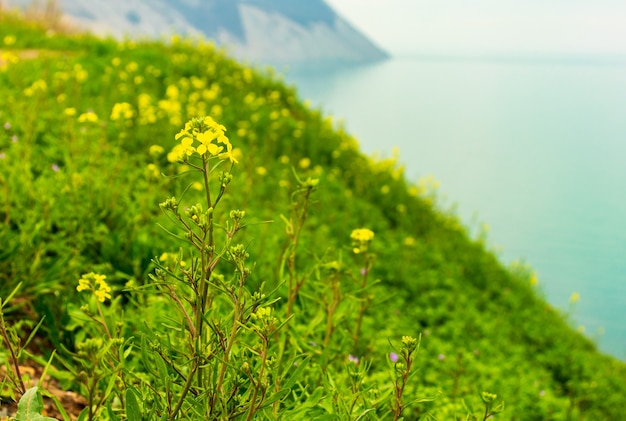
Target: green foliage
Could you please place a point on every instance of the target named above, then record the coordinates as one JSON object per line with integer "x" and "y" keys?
{"x": 256, "y": 291}
{"x": 30, "y": 407}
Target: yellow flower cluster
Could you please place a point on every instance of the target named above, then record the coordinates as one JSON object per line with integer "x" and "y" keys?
{"x": 265, "y": 321}
{"x": 37, "y": 86}
{"x": 9, "y": 40}
{"x": 96, "y": 283}
{"x": 410, "y": 343}
{"x": 88, "y": 117}
{"x": 7, "y": 58}
{"x": 147, "y": 111}
{"x": 203, "y": 136}
{"x": 79, "y": 73}
{"x": 362, "y": 235}
{"x": 360, "y": 239}
{"x": 122, "y": 110}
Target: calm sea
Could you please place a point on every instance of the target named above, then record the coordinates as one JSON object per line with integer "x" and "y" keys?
{"x": 535, "y": 148}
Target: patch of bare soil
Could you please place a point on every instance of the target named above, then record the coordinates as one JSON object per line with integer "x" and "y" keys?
{"x": 71, "y": 402}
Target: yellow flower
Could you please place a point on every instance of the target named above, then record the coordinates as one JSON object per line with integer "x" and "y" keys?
{"x": 156, "y": 150}
{"x": 132, "y": 67}
{"x": 211, "y": 136}
{"x": 95, "y": 283}
{"x": 70, "y": 111}
{"x": 264, "y": 312}
{"x": 360, "y": 239}
{"x": 83, "y": 285}
{"x": 187, "y": 149}
{"x": 574, "y": 297}
{"x": 122, "y": 110}
{"x": 37, "y": 86}
{"x": 103, "y": 292}
{"x": 6, "y": 58}
{"x": 206, "y": 139}
{"x": 409, "y": 241}
{"x": 9, "y": 40}
{"x": 229, "y": 154}
{"x": 88, "y": 117}
{"x": 79, "y": 73}
{"x": 304, "y": 163}
{"x": 153, "y": 170}
{"x": 362, "y": 234}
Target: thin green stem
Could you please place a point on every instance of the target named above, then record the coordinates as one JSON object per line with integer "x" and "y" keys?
{"x": 257, "y": 384}
{"x": 364, "y": 303}
{"x": 399, "y": 407}
{"x": 207, "y": 255}
{"x": 103, "y": 321}
{"x": 331, "y": 308}
{"x": 16, "y": 365}
{"x": 486, "y": 412}
{"x": 239, "y": 308}
{"x": 184, "y": 392}
{"x": 294, "y": 286}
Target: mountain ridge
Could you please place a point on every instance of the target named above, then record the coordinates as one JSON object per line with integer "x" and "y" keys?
{"x": 274, "y": 32}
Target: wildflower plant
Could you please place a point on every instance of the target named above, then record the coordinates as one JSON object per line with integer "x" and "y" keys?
{"x": 402, "y": 363}
{"x": 101, "y": 351}
{"x": 361, "y": 240}
{"x": 215, "y": 361}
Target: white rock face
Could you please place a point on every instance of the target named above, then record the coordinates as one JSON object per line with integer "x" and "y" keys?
{"x": 274, "y": 38}
{"x": 270, "y": 37}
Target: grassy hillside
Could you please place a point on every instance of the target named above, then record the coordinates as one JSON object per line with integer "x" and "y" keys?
{"x": 293, "y": 311}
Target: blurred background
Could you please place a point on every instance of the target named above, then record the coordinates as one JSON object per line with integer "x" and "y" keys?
{"x": 517, "y": 109}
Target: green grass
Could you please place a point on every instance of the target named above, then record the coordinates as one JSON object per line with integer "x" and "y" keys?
{"x": 79, "y": 197}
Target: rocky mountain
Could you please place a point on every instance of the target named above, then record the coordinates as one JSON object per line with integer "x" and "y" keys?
{"x": 262, "y": 31}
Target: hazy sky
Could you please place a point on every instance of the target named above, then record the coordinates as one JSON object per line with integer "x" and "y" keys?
{"x": 491, "y": 26}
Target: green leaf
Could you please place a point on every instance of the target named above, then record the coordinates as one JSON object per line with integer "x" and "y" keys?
{"x": 111, "y": 413}
{"x": 30, "y": 406}
{"x": 133, "y": 411}
{"x": 279, "y": 396}
{"x": 10, "y": 296}
{"x": 83, "y": 415}
{"x": 295, "y": 375}
{"x": 498, "y": 408}
{"x": 364, "y": 413}
{"x": 329, "y": 417}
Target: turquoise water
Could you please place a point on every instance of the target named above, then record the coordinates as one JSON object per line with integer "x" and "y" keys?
{"x": 536, "y": 149}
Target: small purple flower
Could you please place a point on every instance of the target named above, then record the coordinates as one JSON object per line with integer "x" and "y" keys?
{"x": 14, "y": 139}
{"x": 393, "y": 357}
{"x": 55, "y": 167}
{"x": 7, "y": 125}
{"x": 363, "y": 271}
{"x": 441, "y": 357}
{"x": 353, "y": 359}
{"x": 2, "y": 155}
